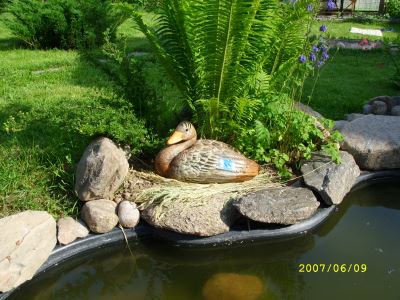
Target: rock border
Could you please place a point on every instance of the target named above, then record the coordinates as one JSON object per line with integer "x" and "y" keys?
{"x": 236, "y": 236}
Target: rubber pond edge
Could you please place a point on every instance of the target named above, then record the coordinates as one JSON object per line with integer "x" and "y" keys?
{"x": 236, "y": 236}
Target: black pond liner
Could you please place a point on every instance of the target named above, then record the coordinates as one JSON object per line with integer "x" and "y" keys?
{"x": 236, "y": 236}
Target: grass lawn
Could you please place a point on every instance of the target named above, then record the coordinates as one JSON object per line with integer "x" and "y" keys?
{"x": 51, "y": 105}
{"x": 349, "y": 80}
{"x": 340, "y": 29}
{"x": 134, "y": 38}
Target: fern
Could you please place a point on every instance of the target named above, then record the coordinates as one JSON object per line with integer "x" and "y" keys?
{"x": 262, "y": 134}
{"x": 236, "y": 62}
{"x": 214, "y": 50}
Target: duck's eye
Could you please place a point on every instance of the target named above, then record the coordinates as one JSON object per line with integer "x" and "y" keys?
{"x": 186, "y": 129}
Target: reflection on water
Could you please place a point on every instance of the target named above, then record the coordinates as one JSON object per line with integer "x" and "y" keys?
{"x": 233, "y": 286}
{"x": 364, "y": 230}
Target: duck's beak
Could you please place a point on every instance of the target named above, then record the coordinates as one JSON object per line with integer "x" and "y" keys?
{"x": 176, "y": 137}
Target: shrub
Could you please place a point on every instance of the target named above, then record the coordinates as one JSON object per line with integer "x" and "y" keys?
{"x": 64, "y": 24}
{"x": 145, "y": 84}
{"x": 2, "y": 5}
{"x": 149, "y": 5}
{"x": 393, "y": 8}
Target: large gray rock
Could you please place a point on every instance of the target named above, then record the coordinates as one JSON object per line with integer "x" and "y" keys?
{"x": 101, "y": 170}
{"x": 128, "y": 214}
{"x": 26, "y": 240}
{"x": 285, "y": 205}
{"x": 191, "y": 217}
{"x": 68, "y": 230}
{"x": 339, "y": 124}
{"x": 353, "y": 116}
{"x": 100, "y": 215}
{"x": 374, "y": 141}
{"x": 330, "y": 180}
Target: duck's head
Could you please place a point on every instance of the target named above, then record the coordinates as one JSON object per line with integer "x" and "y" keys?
{"x": 183, "y": 132}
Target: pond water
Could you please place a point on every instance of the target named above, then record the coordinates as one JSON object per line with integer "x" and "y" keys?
{"x": 364, "y": 232}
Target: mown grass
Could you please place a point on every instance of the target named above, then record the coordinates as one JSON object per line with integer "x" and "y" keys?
{"x": 52, "y": 104}
{"x": 133, "y": 38}
{"x": 340, "y": 29}
{"x": 349, "y": 80}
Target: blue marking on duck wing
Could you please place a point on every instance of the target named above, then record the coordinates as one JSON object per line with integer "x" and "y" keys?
{"x": 226, "y": 165}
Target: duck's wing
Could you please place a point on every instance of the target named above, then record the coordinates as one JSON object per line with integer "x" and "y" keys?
{"x": 212, "y": 161}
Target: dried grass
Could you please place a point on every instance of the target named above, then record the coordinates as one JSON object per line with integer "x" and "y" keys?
{"x": 149, "y": 189}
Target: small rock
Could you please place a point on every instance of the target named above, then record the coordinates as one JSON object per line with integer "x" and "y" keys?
{"x": 100, "y": 215}
{"x": 68, "y": 230}
{"x": 128, "y": 214}
{"x": 396, "y": 110}
{"x": 286, "y": 205}
{"x": 27, "y": 240}
{"x": 389, "y": 101}
{"x": 352, "y": 117}
{"x": 379, "y": 108}
{"x": 367, "y": 109}
{"x": 100, "y": 171}
{"x": 374, "y": 141}
{"x": 330, "y": 180}
{"x": 233, "y": 286}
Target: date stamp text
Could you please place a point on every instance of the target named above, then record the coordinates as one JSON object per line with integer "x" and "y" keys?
{"x": 334, "y": 268}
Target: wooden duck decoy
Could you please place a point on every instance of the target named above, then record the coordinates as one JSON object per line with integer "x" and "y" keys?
{"x": 202, "y": 161}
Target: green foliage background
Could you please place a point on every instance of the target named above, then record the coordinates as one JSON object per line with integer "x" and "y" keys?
{"x": 62, "y": 24}
{"x": 393, "y": 8}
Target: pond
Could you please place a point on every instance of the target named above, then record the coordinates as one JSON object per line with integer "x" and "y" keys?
{"x": 353, "y": 255}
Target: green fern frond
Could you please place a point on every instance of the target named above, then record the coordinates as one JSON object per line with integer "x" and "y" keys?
{"x": 262, "y": 134}
{"x": 170, "y": 44}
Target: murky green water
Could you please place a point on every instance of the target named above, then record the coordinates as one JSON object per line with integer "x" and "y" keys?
{"x": 364, "y": 231}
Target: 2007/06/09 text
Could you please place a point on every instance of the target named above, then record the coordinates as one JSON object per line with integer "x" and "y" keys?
{"x": 336, "y": 268}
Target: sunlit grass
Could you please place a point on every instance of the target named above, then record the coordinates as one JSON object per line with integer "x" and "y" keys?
{"x": 340, "y": 29}
{"x": 51, "y": 104}
{"x": 349, "y": 80}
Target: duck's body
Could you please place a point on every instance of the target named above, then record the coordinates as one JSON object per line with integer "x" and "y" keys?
{"x": 202, "y": 161}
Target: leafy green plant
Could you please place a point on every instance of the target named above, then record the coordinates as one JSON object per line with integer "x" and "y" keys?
{"x": 144, "y": 83}
{"x": 149, "y": 5}
{"x": 237, "y": 63}
{"x": 392, "y": 8}
{"x": 65, "y": 24}
{"x": 2, "y": 4}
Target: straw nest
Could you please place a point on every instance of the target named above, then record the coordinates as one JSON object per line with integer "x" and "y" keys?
{"x": 148, "y": 189}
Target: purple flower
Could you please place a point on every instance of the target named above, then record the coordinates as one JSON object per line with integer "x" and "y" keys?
{"x": 323, "y": 28}
{"x": 330, "y": 5}
{"x": 320, "y": 63}
{"x": 313, "y": 57}
{"x": 310, "y": 8}
{"x": 324, "y": 49}
{"x": 302, "y": 58}
{"x": 315, "y": 48}
{"x": 325, "y": 55}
